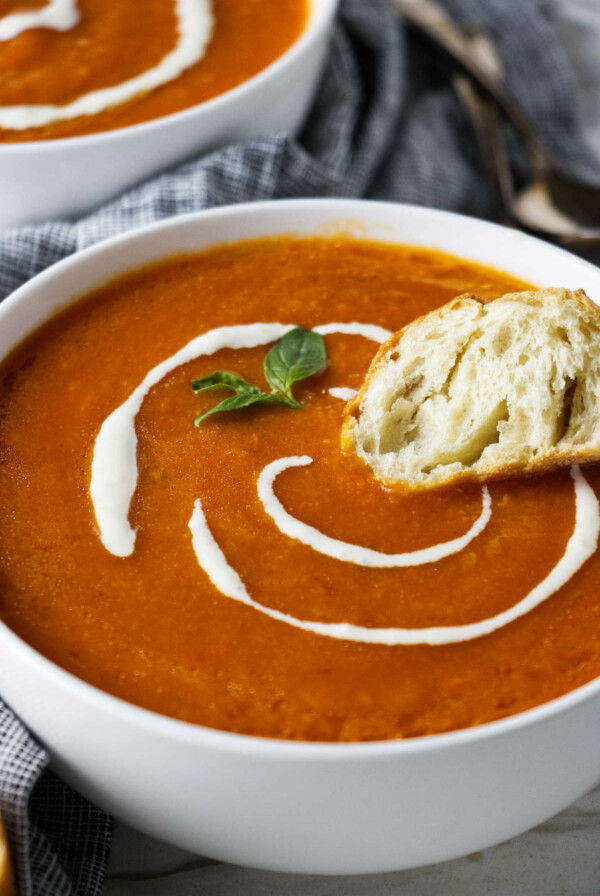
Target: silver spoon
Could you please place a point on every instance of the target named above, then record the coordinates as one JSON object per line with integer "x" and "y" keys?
{"x": 551, "y": 204}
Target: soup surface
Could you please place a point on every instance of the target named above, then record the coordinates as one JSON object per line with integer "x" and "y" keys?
{"x": 159, "y": 627}
{"x": 109, "y": 44}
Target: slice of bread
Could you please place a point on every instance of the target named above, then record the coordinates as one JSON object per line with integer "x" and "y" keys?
{"x": 6, "y": 880}
{"x": 477, "y": 391}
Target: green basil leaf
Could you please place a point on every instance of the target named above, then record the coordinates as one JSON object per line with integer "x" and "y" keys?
{"x": 297, "y": 355}
{"x": 242, "y": 400}
{"x": 222, "y": 379}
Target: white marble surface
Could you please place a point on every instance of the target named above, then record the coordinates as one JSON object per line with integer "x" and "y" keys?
{"x": 559, "y": 858}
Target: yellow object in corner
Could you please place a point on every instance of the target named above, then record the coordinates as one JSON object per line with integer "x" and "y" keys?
{"x": 6, "y": 879}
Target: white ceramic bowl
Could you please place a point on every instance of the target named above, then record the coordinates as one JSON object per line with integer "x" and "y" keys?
{"x": 48, "y": 179}
{"x": 320, "y": 808}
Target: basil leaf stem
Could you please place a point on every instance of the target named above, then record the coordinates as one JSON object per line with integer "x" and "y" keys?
{"x": 296, "y": 356}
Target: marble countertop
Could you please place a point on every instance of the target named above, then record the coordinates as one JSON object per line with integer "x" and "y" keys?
{"x": 559, "y": 858}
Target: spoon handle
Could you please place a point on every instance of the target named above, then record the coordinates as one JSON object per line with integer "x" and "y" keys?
{"x": 484, "y": 120}
{"x": 432, "y": 21}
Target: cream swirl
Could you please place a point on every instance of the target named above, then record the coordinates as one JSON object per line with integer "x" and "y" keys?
{"x": 195, "y": 24}
{"x": 60, "y": 15}
{"x": 580, "y": 547}
{"x": 355, "y": 553}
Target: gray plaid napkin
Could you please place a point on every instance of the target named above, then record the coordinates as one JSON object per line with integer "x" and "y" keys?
{"x": 60, "y": 842}
{"x": 386, "y": 125}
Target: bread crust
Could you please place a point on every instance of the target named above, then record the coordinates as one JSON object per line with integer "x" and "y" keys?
{"x": 544, "y": 460}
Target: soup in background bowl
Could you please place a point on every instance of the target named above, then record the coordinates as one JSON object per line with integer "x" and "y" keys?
{"x": 291, "y": 654}
{"x": 194, "y": 75}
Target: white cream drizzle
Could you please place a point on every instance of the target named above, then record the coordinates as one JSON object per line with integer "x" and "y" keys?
{"x": 114, "y": 462}
{"x": 342, "y": 392}
{"x": 354, "y": 553}
{"x": 580, "y": 547}
{"x": 369, "y": 331}
{"x": 195, "y": 24}
{"x": 60, "y": 15}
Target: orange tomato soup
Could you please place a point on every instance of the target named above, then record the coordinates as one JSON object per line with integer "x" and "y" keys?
{"x": 152, "y": 629}
{"x": 113, "y": 43}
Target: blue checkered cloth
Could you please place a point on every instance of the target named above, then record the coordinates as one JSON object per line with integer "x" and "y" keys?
{"x": 386, "y": 125}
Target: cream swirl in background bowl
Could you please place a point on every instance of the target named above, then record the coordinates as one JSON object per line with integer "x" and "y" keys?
{"x": 195, "y": 25}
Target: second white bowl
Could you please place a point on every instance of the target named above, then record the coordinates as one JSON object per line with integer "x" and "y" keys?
{"x": 51, "y": 179}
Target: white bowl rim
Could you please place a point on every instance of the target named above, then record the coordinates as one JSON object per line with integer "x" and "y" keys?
{"x": 255, "y": 745}
{"x": 318, "y": 18}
